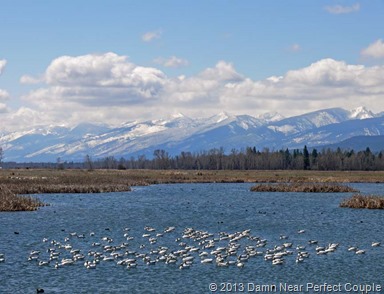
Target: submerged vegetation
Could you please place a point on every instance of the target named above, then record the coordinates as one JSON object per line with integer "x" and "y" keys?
{"x": 303, "y": 187}
{"x": 363, "y": 201}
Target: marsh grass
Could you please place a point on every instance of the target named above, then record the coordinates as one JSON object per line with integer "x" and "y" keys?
{"x": 363, "y": 201}
{"x": 17, "y": 185}
{"x": 39, "y": 181}
{"x": 9, "y": 201}
{"x": 303, "y": 187}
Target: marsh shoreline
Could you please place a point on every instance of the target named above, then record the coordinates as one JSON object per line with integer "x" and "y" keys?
{"x": 15, "y": 182}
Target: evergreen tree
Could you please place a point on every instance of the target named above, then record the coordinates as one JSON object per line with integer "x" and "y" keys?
{"x": 306, "y": 158}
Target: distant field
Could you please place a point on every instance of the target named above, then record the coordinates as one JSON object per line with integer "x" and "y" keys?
{"x": 37, "y": 181}
{"x": 22, "y": 178}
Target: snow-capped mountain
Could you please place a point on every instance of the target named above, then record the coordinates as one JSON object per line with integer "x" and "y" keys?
{"x": 361, "y": 113}
{"x": 310, "y": 120}
{"x": 179, "y": 133}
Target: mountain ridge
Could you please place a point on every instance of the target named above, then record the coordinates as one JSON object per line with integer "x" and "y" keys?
{"x": 179, "y": 133}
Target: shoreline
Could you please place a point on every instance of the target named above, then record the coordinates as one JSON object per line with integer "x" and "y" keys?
{"x": 16, "y": 182}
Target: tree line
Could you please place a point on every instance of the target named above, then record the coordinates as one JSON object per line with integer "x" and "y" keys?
{"x": 249, "y": 159}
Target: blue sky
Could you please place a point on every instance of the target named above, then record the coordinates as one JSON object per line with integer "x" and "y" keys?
{"x": 116, "y": 61}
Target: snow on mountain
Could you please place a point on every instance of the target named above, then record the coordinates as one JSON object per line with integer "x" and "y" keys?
{"x": 310, "y": 120}
{"x": 334, "y": 133}
{"x": 87, "y": 129}
{"x": 178, "y": 133}
{"x": 361, "y": 113}
{"x": 221, "y": 117}
{"x": 271, "y": 117}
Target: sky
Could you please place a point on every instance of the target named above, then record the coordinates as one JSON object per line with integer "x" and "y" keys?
{"x": 110, "y": 62}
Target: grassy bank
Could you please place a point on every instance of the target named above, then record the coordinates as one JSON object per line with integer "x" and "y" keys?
{"x": 38, "y": 181}
{"x": 363, "y": 201}
{"x": 142, "y": 177}
{"x": 303, "y": 187}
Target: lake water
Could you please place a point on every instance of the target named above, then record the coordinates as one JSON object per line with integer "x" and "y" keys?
{"x": 212, "y": 208}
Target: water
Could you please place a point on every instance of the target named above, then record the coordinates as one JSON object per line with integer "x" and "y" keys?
{"x": 208, "y": 207}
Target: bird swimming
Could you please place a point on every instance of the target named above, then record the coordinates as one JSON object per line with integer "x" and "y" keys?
{"x": 184, "y": 249}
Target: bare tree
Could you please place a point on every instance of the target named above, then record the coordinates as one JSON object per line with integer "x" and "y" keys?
{"x": 88, "y": 163}
{"x": 59, "y": 164}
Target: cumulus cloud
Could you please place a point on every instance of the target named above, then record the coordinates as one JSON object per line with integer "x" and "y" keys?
{"x": 204, "y": 89}
{"x": 27, "y": 117}
{"x": 328, "y": 75}
{"x": 150, "y": 36}
{"x": 339, "y": 9}
{"x": 97, "y": 80}
{"x": 26, "y": 79}
{"x": 374, "y": 50}
{"x": 172, "y": 61}
{"x": 109, "y": 88}
{"x": 323, "y": 84}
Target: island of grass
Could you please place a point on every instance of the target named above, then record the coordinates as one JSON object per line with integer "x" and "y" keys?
{"x": 363, "y": 201}
{"x": 303, "y": 187}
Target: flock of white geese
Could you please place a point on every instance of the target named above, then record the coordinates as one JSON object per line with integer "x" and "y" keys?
{"x": 190, "y": 248}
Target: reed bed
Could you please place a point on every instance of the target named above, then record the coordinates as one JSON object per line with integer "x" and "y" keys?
{"x": 363, "y": 201}
{"x": 9, "y": 201}
{"x": 16, "y": 185}
{"x": 303, "y": 187}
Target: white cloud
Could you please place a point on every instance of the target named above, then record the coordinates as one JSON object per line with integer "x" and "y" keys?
{"x": 339, "y": 9}
{"x": 25, "y": 117}
{"x": 3, "y": 108}
{"x": 150, "y": 36}
{"x": 323, "y": 84}
{"x": 295, "y": 48}
{"x": 109, "y": 88}
{"x": 204, "y": 89}
{"x": 3, "y": 63}
{"x": 26, "y": 79}
{"x": 374, "y": 50}
{"x": 4, "y": 95}
{"x": 326, "y": 72}
{"x": 172, "y": 61}
{"x": 98, "y": 80}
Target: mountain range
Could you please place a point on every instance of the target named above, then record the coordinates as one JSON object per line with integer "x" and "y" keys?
{"x": 327, "y": 127}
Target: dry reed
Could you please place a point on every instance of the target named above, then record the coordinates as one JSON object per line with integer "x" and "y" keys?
{"x": 303, "y": 187}
{"x": 363, "y": 201}
{"x": 16, "y": 183}
{"x": 9, "y": 201}
{"x": 39, "y": 181}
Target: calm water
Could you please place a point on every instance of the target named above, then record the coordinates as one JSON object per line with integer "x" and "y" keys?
{"x": 213, "y": 208}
